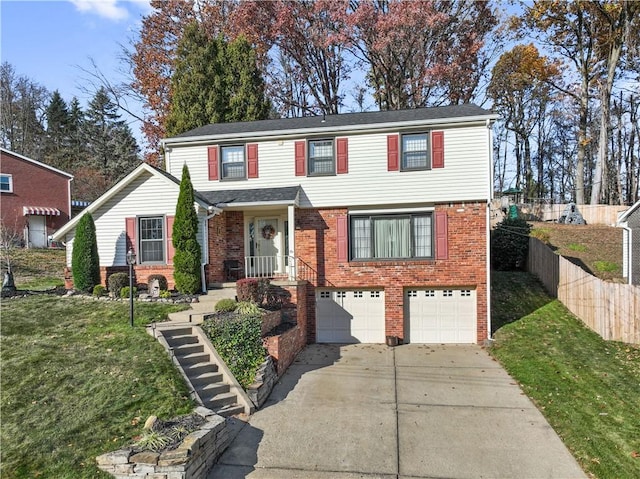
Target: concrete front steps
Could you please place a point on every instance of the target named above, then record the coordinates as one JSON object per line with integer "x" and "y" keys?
{"x": 205, "y": 305}
{"x": 209, "y": 380}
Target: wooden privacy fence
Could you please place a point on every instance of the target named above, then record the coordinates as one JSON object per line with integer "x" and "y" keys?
{"x": 610, "y": 309}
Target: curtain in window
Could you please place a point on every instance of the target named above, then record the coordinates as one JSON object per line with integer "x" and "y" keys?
{"x": 422, "y": 236}
{"x": 361, "y": 234}
{"x": 392, "y": 237}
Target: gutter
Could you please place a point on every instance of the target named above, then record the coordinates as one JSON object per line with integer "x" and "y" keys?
{"x": 297, "y": 132}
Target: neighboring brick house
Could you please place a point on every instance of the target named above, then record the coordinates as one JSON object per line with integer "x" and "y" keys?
{"x": 384, "y": 215}
{"x": 36, "y": 198}
{"x": 629, "y": 220}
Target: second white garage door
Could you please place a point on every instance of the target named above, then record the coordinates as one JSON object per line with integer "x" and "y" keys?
{"x": 348, "y": 316}
{"x": 440, "y": 315}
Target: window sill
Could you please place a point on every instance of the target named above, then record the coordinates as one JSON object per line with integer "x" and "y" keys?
{"x": 391, "y": 262}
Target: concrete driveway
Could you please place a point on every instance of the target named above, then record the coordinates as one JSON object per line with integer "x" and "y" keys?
{"x": 415, "y": 411}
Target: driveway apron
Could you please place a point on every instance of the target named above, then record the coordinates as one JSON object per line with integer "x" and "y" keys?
{"x": 414, "y": 411}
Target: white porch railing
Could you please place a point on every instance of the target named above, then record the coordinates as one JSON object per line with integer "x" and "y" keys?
{"x": 278, "y": 267}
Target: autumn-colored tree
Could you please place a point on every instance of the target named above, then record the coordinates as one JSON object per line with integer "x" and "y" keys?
{"x": 520, "y": 90}
{"x": 420, "y": 53}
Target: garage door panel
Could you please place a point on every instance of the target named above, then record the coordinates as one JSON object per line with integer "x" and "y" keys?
{"x": 350, "y": 316}
{"x": 440, "y": 316}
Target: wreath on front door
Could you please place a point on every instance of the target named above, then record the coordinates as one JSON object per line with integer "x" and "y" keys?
{"x": 268, "y": 232}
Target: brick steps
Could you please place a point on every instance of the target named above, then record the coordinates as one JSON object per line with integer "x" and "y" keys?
{"x": 200, "y": 370}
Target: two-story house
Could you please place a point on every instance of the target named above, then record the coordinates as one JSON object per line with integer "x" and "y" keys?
{"x": 384, "y": 214}
{"x": 35, "y": 197}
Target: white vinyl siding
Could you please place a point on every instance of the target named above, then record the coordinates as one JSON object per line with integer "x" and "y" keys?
{"x": 146, "y": 196}
{"x": 465, "y": 176}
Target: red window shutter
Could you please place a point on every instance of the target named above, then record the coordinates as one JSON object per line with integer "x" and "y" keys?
{"x": 437, "y": 149}
{"x": 342, "y": 239}
{"x": 252, "y": 160}
{"x": 342, "y": 147}
{"x": 392, "y": 153}
{"x": 170, "y": 250}
{"x": 301, "y": 158}
{"x": 212, "y": 153}
{"x": 442, "y": 247}
{"x": 130, "y": 227}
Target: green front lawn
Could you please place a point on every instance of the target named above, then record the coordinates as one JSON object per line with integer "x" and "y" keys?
{"x": 77, "y": 382}
{"x": 587, "y": 388}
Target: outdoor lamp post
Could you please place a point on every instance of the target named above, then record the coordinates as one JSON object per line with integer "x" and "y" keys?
{"x": 131, "y": 260}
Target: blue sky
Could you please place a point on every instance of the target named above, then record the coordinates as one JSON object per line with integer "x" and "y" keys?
{"x": 49, "y": 41}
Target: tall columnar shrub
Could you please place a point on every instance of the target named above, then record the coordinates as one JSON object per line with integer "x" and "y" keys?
{"x": 187, "y": 257}
{"x": 85, "y": 263}
{"x": 510, "y": 244}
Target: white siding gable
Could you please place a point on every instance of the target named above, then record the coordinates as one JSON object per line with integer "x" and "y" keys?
{"x": 465, "y": 176}
{"x": 146, "y": 195}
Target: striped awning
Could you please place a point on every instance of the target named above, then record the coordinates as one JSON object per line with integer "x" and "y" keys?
{"x": 40, "y": 210}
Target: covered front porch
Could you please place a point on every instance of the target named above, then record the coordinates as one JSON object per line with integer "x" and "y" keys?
{"x": 254, "y": 235}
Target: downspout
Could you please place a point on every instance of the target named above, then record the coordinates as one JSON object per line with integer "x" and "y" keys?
{"x": 489, "y": 126}
{"x": 205, "y": 250}
{"x": 629, "y": 254}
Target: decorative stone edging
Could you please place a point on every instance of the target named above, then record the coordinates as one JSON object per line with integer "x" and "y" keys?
{"x": 192, "y": 459}
{"x": 266, "y": 378}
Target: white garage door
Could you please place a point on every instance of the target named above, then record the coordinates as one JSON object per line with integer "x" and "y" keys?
{"x": 347, "y": 316}
{"x": 440, "y": 315}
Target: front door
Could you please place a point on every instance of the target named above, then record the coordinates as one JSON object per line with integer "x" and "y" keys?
{"x": 267, "y": 239}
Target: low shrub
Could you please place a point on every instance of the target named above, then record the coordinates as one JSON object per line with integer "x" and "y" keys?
{"x": 124, "y": 292}
{"x": 165, "y": 294}
{"x": 99, "y": 290}
{"x": 226, "y": 305}
{"x": 117, "y": 281}
{"x": 162, "y": 281}
{"x": 248, "y": 308}
{"x": 239, "y": 342}
{"x": 247, "y": 290}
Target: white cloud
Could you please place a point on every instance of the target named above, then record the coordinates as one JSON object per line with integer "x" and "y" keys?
{"x": 104, "y": 8}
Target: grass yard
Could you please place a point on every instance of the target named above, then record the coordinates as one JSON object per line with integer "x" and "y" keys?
{"x": 37, "y": 269}
{"x": 587, "y": 388}
{"x": 77, "y": 382}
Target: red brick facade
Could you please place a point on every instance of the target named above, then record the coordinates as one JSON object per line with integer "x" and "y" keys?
{"x": 316, "y": 248}
{"x": 466, "y": 265}
{"x": 33, "y": 185}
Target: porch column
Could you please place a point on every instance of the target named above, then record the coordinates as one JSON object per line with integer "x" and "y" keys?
{"x": 291, "y": 218}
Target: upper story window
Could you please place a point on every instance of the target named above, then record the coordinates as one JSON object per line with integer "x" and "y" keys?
{"x": 415, "y": 152}
{"x": 391, "y": 236}
{"x": 321, "y": 157}
{"x": 6, "y": 183}
{"x": 151, "y": 239}
{"x": 232, "y": 161}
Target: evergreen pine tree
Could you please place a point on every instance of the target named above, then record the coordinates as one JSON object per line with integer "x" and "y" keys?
{"x": 56, "y": 145}
{"x": 85, "y": 263}
{"x": 187, "y": 257}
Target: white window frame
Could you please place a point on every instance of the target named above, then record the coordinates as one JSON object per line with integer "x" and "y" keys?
{"x": 312, "y": 159}
{"x": 372, "y": 235}
{"x": 10, "y": 183}
{"x": 404, "y": 152}
{"x": 239, "y": 148}
{"x": 162, "y": 240}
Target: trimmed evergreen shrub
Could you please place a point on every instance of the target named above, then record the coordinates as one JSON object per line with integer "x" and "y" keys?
{"x": 99, "y": 290}
{"x": 226, "y": 305}
{"x": 162, "y": 281}
{"x": 510, "y": 244}
{"x": 116, "y": 282}
{"x": 85, "y": 263}
{"x": 124, "y": 292}
{"x": 187, "y": 257}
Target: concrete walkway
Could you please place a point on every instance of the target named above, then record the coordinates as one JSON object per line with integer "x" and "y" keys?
{"x": 415, "y": 411}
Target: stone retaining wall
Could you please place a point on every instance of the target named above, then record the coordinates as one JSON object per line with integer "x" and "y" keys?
{"x": 195, "y": 456}
{"x": 266, "y": 379}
